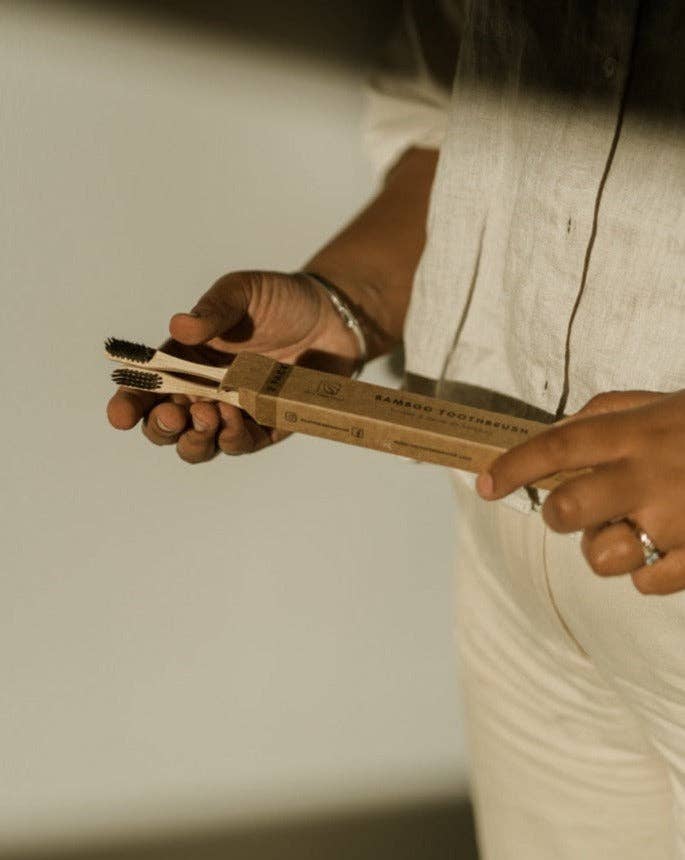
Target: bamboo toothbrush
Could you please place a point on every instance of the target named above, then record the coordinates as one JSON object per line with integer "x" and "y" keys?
{"x": 298, "y": 399}
{"x": 166, "y": 383}
{"x": 139, "y": 355}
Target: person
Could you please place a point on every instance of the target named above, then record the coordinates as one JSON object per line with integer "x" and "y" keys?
{"x": 527, "y": 246}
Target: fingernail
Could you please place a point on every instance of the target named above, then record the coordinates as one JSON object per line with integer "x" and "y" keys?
{"x": 200, "y": 426}
{"x": 485, "y": 485}
{"x": 163, "y": 427}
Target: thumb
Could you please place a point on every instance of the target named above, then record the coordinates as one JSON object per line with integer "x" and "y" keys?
{"x": 221, "y": 308}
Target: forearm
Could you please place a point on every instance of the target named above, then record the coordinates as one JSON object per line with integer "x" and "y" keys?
{"x": 373, "y": 260}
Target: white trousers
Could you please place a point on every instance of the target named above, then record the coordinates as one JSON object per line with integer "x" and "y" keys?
{"x": 574, "y": 690}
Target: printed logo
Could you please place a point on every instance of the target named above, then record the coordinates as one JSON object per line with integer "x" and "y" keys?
{"x": 329, "y": 388}
{"x": 291, "y": 417}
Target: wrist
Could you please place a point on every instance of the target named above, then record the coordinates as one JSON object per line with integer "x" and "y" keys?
{"x": 363, "y": 298}
{"x": 351, "y": 319}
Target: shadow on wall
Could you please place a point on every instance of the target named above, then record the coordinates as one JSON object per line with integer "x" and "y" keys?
{"x": 347, "y": 31}
{"x": 355, "y": 32}
{"x": 441, "y": 831}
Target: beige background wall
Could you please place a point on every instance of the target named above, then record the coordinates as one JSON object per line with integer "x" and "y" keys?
{"x": 181, "y": 646}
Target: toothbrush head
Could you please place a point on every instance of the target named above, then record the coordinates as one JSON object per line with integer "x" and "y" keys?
{"x": 138, "y": 352}
{"x": 137, "y": 379}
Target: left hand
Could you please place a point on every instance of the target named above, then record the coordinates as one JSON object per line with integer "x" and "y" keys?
{"x": 635, "y": 442}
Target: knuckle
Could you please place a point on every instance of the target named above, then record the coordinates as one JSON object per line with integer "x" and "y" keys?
{"x": 205, "y": 417}
{"x": 211, "y": 305}
{"x": 222, "y": 294}
{"x": 563, "y": 510}
{"x": 619, "y": 557}
{"x": 232, "y": 434}
{"x": 598, "y": 560}
{"x": 603, "y": 399}
{"x": 241, "y": 444}
{"x": 194, "y": 447}
{"x": 624, "y": 554}
{"x": 556, "y": 444}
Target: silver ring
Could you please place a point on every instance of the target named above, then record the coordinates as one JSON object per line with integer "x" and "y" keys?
{"x": 649, "y": 549}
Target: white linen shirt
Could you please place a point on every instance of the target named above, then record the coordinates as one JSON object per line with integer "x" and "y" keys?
{"x": 555, "y": 255}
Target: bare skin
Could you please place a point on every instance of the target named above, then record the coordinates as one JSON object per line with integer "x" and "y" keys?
{"x": 634, "y": 440}
{"x": 289, "y": 317}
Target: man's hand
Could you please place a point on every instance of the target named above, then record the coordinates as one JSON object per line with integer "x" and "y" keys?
{"x": 291, "y": 318}
{"x": 287, "y": 317}
{"x": 635, "y": 443}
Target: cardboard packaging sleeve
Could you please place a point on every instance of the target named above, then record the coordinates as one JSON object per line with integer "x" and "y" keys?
{"x": 427, "y": 429}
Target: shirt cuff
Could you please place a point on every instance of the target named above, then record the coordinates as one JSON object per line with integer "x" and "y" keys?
{"x": 400, "y": 114}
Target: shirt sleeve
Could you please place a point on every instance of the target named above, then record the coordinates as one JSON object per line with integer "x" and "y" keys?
{"x": 407, "y": 97}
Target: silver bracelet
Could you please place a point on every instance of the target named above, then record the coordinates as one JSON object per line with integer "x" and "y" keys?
{"x": 347, "y": 316}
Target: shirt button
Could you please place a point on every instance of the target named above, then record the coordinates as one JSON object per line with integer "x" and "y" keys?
{"x": 609, "y": 66}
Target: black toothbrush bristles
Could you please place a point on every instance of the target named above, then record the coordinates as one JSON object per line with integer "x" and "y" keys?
{"x": 137, "y": 379}
{"x": 118, "y": 348}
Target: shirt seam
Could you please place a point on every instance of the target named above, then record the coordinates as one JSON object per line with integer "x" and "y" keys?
{"x": 563, "y": 399}
{"x": 555, "y": 606}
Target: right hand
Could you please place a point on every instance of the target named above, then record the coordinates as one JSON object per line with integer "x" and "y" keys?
{"x": 287, "y": 317}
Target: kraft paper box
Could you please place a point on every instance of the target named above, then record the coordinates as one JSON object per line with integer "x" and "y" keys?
{"x": 371, "y": 416}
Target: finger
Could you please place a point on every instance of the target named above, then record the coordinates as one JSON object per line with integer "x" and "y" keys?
{"x": 127, "y": 407}
{"x": 277, "y": 435}
{"x": 593, "y": 498}
{"x": 220, "y": 309}
{"x": 205, "y": 417}
{"x": 261, "y": 436}
{"x": 578, "y": 444}
{"x": 665, "y": 576}
{"x": 198, "y": 444}
{"x": 165, "y": 423}
{"x": 234, "y": 437}
{"x": 612, "y": 401}
{"x": 611, "y": 550}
